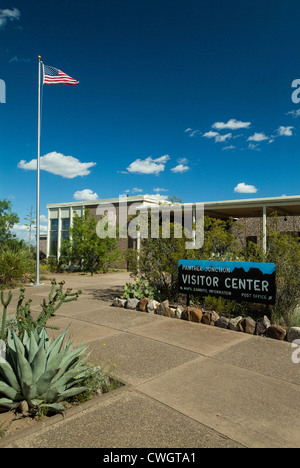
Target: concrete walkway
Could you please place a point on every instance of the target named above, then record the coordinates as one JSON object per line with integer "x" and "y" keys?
{"x": 187, "y": 385}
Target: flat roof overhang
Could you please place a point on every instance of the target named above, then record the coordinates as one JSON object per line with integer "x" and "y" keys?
{"x": 244, "y": 208}
{"x": 105, "y": 201}
{"x": 253, "y": 208}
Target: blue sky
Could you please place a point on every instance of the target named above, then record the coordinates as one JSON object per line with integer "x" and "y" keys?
{"x": 186, "y": 98}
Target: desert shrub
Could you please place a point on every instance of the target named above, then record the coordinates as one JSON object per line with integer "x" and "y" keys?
{"x": 284, "y": 252}
{"x": 295, "y": 318}
{"x": 220, "y": 242}
{"x": 158, "y": 260}
{"x": 16, "y": 265}
{"x": 158, "y": 264}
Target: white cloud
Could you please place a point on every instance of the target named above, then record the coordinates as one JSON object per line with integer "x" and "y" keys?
{"x": 216, "y": 135}
{"x": 9, "y": 15}
{"x": 232, "y": 124}
{"x": 180, "y": 168}
{"x": 137, "y": 190}
{"x": 244, "y": 188}
{"x": 182, "y": 161}
{"x": 157, "y": 189}
{"x": 226, "y": 148}
{"x": 192, "y": 132}
{"x": 58, "y": 164}
{"x": 16, "y": 59}
{"x": 43, "y": 219}
{"x": 258, "y": 137}
{"x": 211, "y": 134}
{"x": 163, "y": 159}
{"x": 252, "y": 146}
{"x": 22, "y": 232}
{"x": 86, "y": 194}
{"x": 148, "y": 165}
{"x": 294, "y": 113}
{"x": 222, "y": 138}
{"x": 285, "y": 131}
{"x": 157, "y": 196}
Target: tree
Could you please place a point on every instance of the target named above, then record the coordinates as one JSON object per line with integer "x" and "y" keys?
{"x": 85, "y": 247}
{"x": 220, "y": 242}
{"x": 7, "y": 221}
{"x": 30, "y": 224}
{"x": 158, "y": 259}
{"x": 157, "y": 262}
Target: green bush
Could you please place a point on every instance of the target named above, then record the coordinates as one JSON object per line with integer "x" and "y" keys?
{"x": 139, "y": 289}
{"x": 295, "y": 318}
{"x": 158, "y": 260}
{"x": 16, "y": 265}
{"x": 284, "y": 252}
{"x": 158, "y": 264}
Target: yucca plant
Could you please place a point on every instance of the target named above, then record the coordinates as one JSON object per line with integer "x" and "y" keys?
{"x": 40, "y": 372}
{"x": 16, "y": 265}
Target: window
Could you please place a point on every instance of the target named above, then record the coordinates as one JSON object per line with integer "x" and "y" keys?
{"x": 53, "y": 237}
{"x": 65, "y": 226}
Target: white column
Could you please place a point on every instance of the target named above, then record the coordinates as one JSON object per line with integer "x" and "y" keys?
{"x": 265, "y": 229}
{"x": 71, "y": 219}
{"x": 48, "y": 234}
{"x": 59, "y": 233}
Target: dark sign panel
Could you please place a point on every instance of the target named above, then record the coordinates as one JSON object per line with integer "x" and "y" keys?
{"x": 235, "y": 281}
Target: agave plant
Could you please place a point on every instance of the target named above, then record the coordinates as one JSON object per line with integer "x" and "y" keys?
{"x": 40, "y": 372}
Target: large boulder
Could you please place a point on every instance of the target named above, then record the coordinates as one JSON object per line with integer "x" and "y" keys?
{"x": 247, "y": 325}
{"x": 172, "y": 312}
{"x": 210, "y": 318}
{"x": 161, "y": 308}
{"x": 178, "y": 312}
{"x": 262, "y": 326}
{"x": 132, "y": 303}
{"x": 142, "y": 307}
{"x": 164, "y": 309}
{"x": 234, "y": 323}
{"x": 119, "y": 302}
{"x": 152, "y": 306}
{"x": 222, "y": 322}
{"x": 293, "y": 334}
{"x": 276, "y": 332}
{"x": 192, "y": 314}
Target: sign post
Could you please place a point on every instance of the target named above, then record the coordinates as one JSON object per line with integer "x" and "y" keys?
{"x": 234, "y": 281}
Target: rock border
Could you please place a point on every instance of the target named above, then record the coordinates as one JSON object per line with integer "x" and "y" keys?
{"x": 247, "y": 325}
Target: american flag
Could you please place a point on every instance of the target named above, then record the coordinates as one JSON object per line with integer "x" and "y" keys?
{"x": 54, "y": 76}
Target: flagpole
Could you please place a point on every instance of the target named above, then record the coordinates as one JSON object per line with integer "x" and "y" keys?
{"x": 38, "y": 180}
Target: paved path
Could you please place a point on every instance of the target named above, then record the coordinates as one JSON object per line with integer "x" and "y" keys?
{"x": 186, "y": 385}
